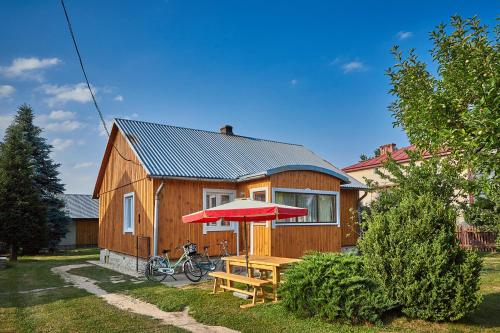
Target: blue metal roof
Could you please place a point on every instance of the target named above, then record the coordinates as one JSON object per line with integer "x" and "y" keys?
{"x": 81, "y": 206}
{"x": 170, "y": 151}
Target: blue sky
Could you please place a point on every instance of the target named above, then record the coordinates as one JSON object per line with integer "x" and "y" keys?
{"x": 308, "y": 72}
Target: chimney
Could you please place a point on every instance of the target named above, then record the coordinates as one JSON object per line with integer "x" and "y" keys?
{"x": 227, "y": 129}
{"x": 387, "y": 148}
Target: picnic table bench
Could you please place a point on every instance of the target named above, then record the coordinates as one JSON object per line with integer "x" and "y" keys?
{"x": 256, "y": 284}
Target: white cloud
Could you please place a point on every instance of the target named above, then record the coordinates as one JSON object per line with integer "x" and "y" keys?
{"x": 118, "y": 98}
{"x": 348, "y": 65}
{"x": 84, "y": 165}
{"x": 29, "y": 68}
{"x": 61, "y": 115}
{"x": 63, "y": 126}
{"x": 61, "y": 144}
{"x": 353, "y": 66}
{"x": 402, "y": 35}
{"x": 294, "y": 82}
{"x": 5, "y": 121}
{"x": 6, "y": 91}
{"x": 67, "y": 93}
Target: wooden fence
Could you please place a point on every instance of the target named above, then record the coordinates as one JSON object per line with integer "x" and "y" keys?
{"x": 473, "y": 238}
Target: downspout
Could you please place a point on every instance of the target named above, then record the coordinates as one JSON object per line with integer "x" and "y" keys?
{"x": 155, "y": 226}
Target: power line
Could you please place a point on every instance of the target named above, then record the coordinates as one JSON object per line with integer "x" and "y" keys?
{"x": 88, "y": 83}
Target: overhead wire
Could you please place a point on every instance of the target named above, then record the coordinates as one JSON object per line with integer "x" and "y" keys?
{"x": 101, "y": 117}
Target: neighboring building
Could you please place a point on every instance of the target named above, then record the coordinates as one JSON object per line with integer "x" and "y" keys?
{"x": 200, "y": 169}
{"x": 83, "y": 230}
{"x": 366, "y": 169}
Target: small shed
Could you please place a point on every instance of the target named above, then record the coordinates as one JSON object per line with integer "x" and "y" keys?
{"x": 83, "y": 231}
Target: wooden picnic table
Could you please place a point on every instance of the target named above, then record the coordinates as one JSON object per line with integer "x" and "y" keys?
{"x": 267, "y": 264}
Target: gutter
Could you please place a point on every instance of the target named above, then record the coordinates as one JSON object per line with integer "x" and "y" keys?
{"x": 155, "y": 226}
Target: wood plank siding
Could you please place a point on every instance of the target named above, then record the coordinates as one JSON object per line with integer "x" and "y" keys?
{"x": 181, "y": 197}
{"x": 87, "y": 231}
{"x": 294, "y": 241}
{"x": 121, "y": 177}
{"x": 349, "y": 216}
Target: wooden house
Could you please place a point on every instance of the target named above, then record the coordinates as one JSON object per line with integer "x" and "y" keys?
{"x": 152, "y": 172}
{"x": 83, "y": 230}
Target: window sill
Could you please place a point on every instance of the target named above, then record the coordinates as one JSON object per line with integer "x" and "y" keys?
{"x": 128, "y": 231}
{"x": 218, "y": 229}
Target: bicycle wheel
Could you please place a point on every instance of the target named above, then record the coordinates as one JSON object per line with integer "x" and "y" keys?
{"x": 151, "y": 271}
{"x": 192, "y": 271}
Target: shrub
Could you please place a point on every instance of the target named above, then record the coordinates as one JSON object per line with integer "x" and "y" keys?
{"x": 410, "y": 248}
{"x": 333, "y": 287}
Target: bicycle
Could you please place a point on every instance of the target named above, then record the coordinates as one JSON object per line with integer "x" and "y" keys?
{"x": 207, "y": 264}
{"x": 159, "y": 267}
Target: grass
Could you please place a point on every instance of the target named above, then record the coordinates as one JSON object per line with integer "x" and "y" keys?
{"x": 61, "y": 308}
{"x": 69, "y": 309}
{"x": 223, "y": 309}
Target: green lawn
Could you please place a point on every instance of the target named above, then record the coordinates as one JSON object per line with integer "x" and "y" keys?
{"x": 62, "y": 308}
{"x": 223, "y": 309}
{"x": 71, "y": 309}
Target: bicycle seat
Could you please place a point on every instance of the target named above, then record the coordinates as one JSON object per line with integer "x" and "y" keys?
{"x": 206, "y": 247}
{"x": 164, "y": 251}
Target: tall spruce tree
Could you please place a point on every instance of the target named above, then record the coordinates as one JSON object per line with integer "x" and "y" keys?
{"x": 23, "y": 214}
{"x": 45, "y": 221}
{"x": 46, "y": 178}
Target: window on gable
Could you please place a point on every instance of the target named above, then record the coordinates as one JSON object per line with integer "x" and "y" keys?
{"x": 128, "y": 212}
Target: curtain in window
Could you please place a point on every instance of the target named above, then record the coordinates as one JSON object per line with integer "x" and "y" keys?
{"x": 326, "y": 205}
{"x": 308, "y": 201}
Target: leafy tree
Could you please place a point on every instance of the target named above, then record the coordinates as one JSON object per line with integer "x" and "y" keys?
{"x": 376, "y": 152}
{"x": 363, "y": 157}
{"x": 458, "y": 109}
{"x": 22, "y": 210}
{"x": 46, "y": 178}
{"x": 410, "y": 247}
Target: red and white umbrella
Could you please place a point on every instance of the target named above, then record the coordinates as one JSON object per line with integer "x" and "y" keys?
{"x": 245, "y": 210}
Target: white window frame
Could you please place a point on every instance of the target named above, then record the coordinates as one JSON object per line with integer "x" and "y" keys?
{"x": 132, "y": 213}
{"x": 307, "y": 191}
{"x": 209, "y": 228}
{"x": 252, "y": 191}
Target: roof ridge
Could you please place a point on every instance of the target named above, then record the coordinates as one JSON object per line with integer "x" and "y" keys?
{"x": 207, "y": 131}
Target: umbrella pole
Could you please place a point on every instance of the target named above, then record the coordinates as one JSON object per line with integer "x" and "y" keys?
{"x": 246, "y": 245}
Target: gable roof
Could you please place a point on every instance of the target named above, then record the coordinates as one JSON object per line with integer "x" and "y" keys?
{"x": 178, "y": 152}
{"x": 399, "y": 155}
{"x": 81, "y": 206}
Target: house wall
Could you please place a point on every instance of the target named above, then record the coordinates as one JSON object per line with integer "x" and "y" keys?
{"x": 87, "y": 232}
{"x": 370, "y": 174}
{"x": 182, "y": 197}
{"x": 295, "y": 241}
{"x": 349, "y": 217}
{"x": 121, "y": 177}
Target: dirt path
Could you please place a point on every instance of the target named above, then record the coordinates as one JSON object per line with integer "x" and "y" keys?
{"x": 124, "y": 302}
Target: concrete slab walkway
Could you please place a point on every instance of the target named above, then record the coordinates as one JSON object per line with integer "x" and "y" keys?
{"x": 180, "y": 279}
{"x": 180, "y": 319}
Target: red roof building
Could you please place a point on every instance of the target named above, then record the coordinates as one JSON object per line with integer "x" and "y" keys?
{"x": 398, "y": 154}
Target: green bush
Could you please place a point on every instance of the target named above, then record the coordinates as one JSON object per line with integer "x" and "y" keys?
{"x": 333, "y": 287}
{"x": 410, "y": 248}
